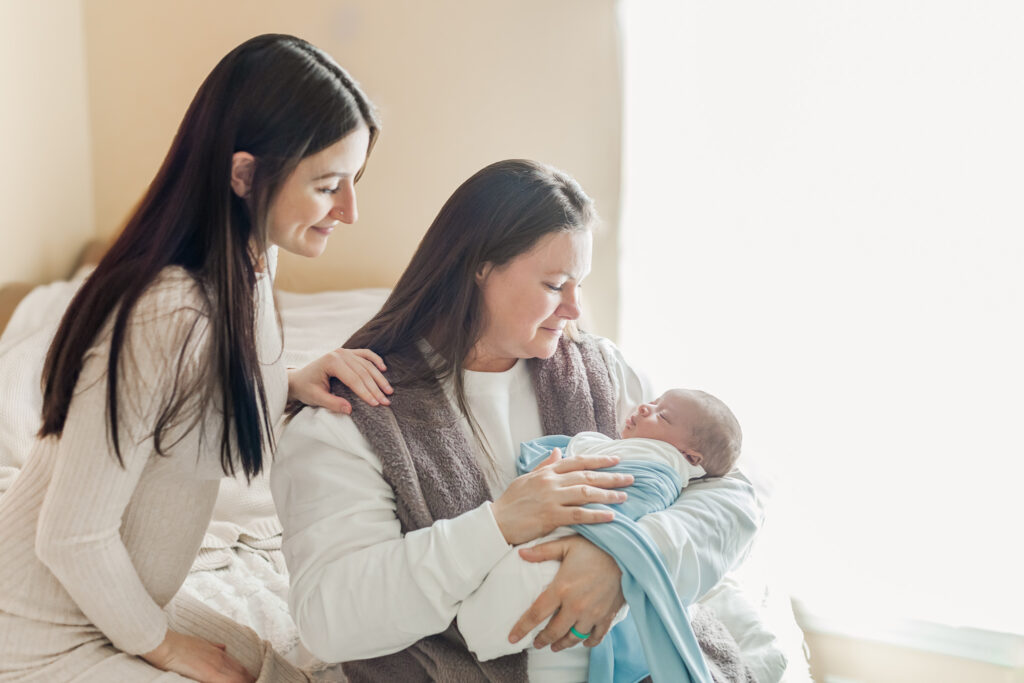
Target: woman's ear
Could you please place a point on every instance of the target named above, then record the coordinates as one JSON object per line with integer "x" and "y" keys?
{"x": 483, "y": 271}
{"x": 243, "y": 165}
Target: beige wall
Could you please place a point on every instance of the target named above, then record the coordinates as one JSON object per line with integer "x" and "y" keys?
{"x": 458, "y": 84}
{"x": 45, "y": 171}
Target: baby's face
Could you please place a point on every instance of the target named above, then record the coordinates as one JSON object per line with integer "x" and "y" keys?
{"x": 669, "y": 418}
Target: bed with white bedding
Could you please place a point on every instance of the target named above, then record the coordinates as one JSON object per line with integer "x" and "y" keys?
{"x": 240, "y": 571}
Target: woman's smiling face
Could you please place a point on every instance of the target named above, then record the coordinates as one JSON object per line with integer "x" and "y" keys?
{"x": 528, "y": 301}
{"x": 318, "y": 194}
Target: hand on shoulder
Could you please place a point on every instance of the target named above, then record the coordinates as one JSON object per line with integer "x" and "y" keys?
{"x": 361, "y": 370}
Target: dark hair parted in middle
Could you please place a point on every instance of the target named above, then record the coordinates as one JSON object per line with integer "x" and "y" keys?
{"x": 499, "y": 213}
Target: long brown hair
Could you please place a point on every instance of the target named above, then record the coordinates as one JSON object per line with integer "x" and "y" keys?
{"x": 497, "y": 214}
{"x": 280, "y": 99}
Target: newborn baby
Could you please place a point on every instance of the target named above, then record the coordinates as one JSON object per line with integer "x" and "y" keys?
{"x": 699, "y": 426}
{"x": 690, "y": 431}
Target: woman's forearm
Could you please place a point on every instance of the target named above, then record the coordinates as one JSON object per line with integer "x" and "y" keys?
{"x": 389, "y": 595}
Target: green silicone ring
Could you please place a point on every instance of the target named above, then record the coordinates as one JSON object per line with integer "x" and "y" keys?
{"x": 581, "y": 636}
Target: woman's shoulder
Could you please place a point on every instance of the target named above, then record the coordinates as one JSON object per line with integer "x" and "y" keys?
{"x": 606, "y": 346}
{"x": 608, "y": 350}
{"x": 631, "y": 386}
{"x": 169, "y": 320}
{"x": 172, "y": 310}
{"x": 176, "y": 292}
{"x": 318, "y": 429}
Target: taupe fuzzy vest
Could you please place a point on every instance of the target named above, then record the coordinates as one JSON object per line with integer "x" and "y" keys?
{"x": 428, "y": 462}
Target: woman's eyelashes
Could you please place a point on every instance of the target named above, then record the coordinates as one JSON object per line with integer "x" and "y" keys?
{"x": 330, "y": 190}
{"x": 559, "y": 287}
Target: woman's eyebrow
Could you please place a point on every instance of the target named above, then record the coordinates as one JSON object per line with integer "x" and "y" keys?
{"x": 563, "y": 273}
{"x": 332, "y": 174}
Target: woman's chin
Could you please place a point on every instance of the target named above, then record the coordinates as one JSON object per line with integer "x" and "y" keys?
{"x": 548, "y": 350}
{"x": 310, "y": 243}
{"x": 310, "y": 249}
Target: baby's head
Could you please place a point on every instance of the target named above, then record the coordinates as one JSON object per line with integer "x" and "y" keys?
{"x": 699, "y": 425}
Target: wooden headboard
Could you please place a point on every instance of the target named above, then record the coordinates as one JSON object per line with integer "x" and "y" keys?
{"x": 10, "y": 296}
{"x": 12, "y": 293}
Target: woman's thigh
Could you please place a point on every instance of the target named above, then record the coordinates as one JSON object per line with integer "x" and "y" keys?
{"x": 43, "y": 652}
{"x": 115, "y": 666}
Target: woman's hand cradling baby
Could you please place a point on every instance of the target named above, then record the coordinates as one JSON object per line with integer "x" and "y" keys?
{"x": 586, "y": 593}
{"x": 552, "y": 495}
{"x": 358, "y": 369}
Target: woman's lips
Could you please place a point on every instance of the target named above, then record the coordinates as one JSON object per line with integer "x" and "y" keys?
{"x": 324, "y": 230}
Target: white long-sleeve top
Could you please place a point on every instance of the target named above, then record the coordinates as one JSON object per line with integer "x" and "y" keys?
{"x": 90, "y": 546}
{"x": 361, "y": 589}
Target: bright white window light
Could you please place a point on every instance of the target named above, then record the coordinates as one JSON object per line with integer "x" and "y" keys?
{"x": 824, "y": 209}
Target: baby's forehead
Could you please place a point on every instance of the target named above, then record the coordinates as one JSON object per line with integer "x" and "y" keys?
{"x": 683, "y": 404}
{"x": 678, "y": 398}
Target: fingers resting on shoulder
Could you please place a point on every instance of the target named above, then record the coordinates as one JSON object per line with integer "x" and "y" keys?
{"x": 361, "y": 370}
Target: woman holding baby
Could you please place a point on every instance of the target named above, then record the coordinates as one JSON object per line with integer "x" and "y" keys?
{"x": 393, "y": 516}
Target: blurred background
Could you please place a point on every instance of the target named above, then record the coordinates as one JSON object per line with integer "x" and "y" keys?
{"x": 810, "y": 209}
{"x": 101, "y": 85}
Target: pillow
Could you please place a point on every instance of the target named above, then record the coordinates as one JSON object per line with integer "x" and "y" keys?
{"x": 317, "y": 323}
{"x": 23, "y": 348}
{"x": 10, "y": 296}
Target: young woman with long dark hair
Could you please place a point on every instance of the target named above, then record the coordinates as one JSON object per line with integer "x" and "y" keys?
{"x": 166, "y": 374}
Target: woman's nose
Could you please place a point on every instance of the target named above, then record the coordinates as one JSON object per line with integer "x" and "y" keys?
{"x": 570, "y": 306}
{"x": 345, "y": 208}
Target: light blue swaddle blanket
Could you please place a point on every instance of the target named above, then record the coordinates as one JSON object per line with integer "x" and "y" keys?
{"x": 655, "y": 638}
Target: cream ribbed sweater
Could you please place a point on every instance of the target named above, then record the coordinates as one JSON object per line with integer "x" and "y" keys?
{"x": 93, "y": 551}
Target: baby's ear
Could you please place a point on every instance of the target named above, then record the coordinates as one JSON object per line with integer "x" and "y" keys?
{"x": 694, "y": 457}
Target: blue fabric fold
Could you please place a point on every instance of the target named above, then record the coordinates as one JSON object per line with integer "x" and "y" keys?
{"x": 655, "y": 638}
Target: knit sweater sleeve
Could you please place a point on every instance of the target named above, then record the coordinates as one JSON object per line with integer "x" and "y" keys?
{"x": 79, "y": 533}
